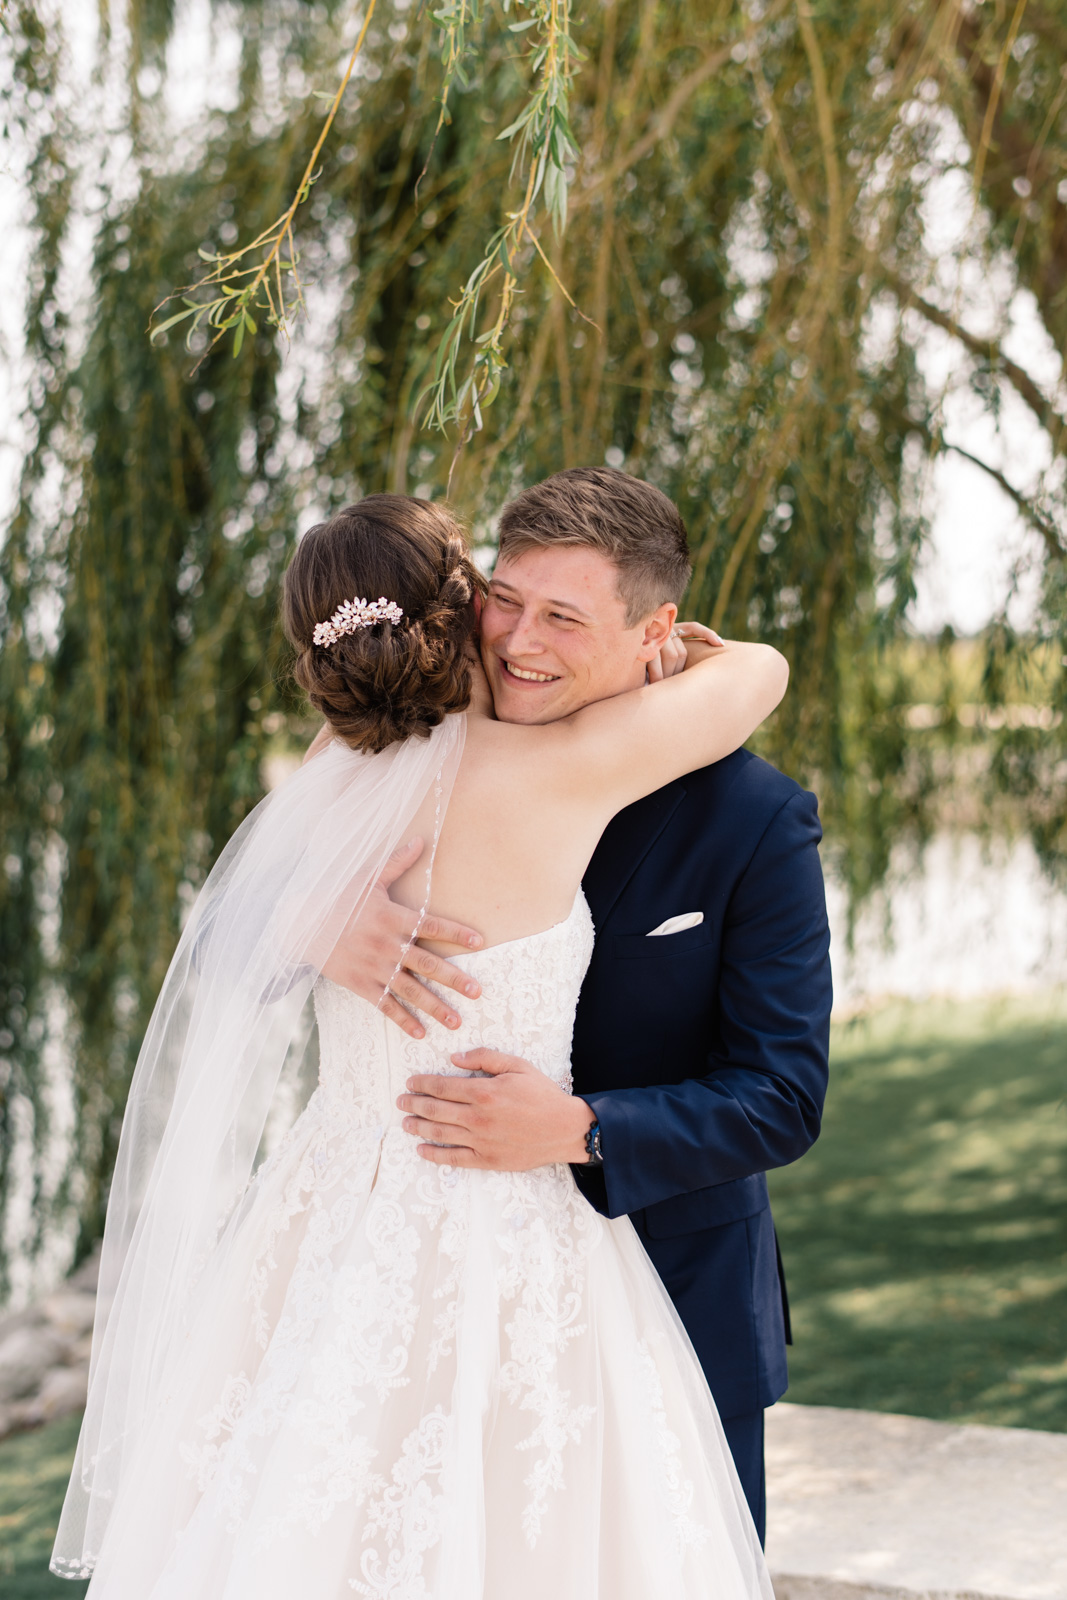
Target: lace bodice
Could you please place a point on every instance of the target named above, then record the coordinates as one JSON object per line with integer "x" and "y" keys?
{"x": 526, "y": 1007}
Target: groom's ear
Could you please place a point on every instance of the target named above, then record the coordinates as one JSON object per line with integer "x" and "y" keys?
{"x": 656, "y": 629}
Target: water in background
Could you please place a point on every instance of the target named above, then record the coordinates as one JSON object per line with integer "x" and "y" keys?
{"x": 972, "y": 918}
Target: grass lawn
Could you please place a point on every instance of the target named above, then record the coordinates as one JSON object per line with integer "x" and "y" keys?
{"x": 925, "y": 1239}
{"x": 34, "y": 1468}
{"x": 925, "y": 1235}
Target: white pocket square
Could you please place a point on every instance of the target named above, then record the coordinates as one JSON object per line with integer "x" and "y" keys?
{"x": 687, "y": 919}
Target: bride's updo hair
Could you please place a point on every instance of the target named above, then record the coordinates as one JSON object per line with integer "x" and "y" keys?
{"x": 389, "y": 680}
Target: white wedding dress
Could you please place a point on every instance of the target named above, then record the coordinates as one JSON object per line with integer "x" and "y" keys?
{"x": 425, "y": 1383}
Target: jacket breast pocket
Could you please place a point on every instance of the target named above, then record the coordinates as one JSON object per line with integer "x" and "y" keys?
{"x": 660, "y": 946}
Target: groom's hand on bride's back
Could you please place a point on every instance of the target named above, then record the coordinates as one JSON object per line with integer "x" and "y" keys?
{"x": 375, "y": 956}
{"x": 510, "y": 1119}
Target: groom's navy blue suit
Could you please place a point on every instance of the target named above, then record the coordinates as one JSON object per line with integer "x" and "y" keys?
{"x": 704, "y": 1056}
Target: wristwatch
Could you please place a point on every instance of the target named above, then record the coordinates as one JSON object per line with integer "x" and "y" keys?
{"x": 592, "y": 1146}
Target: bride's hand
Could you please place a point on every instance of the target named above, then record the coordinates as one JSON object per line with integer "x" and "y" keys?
{"x": 674, "y": 657}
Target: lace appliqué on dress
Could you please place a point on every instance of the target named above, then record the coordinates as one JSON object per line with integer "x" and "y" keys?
{"x": 409, "y": 1513}
{"x": 676, "y": 1490}
{"x": 548, "y": 1230}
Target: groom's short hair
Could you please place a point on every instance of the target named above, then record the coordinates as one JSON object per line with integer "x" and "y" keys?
{"x": 631, "y": 522}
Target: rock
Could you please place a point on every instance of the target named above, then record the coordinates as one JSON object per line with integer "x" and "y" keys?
{"x": 81, "y": 1349}
{"x": 63, "y": 1391}
{"x": 830, "y": 1589}
{"x": 70, "y": 1314}
{"x": 25, "y": 1357}
{"x": 87, "y": 1275}
{"x": 44, "y": 1353}
{"x": 15, "y": 1321}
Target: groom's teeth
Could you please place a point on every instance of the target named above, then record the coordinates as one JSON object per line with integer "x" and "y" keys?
{"x": 530, "y": 677}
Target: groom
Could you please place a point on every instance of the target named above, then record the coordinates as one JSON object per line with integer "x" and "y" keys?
{"x": 700, "y": 1045}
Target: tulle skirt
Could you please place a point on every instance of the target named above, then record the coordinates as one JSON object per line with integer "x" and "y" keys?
{"x": 405, "y": 1381}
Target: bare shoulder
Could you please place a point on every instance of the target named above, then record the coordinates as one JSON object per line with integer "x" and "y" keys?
{"x": 509, "y": 752}
{"x": 525, "y": 770}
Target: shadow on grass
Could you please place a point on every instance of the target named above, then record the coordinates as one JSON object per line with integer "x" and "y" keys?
{"x": 924, "y": 1236}
{"x": 34, "y": 1468}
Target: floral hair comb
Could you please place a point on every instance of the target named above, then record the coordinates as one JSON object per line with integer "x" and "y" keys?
{"x": 351, "y": 615}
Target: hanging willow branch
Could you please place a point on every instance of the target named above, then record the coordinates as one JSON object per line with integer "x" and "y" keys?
{"x": 544, "y": 155}
{"x": 544, "y": 148}
{"x": 234, "y": 306}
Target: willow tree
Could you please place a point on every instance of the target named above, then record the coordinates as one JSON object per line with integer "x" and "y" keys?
{"x": 692, "y": 240}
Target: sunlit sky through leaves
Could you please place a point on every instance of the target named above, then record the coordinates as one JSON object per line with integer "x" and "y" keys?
{"x": 979, "y": 552}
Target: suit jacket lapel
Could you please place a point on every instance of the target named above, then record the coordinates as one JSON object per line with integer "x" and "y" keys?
{"x": 625, "y": 843}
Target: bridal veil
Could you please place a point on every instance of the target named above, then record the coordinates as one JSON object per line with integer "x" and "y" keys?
{"x": 228, "y": 1019}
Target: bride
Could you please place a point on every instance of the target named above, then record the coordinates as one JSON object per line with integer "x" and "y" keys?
{"x": 323, "y": 1366}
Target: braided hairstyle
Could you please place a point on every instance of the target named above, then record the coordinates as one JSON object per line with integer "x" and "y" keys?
{"x": 388, "y": 681}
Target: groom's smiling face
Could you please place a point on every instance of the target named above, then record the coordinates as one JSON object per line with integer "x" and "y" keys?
{"x": 554, "y": 635}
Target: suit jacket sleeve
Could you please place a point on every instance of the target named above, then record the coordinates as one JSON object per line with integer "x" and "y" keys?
{"x": 760, "y": 1103}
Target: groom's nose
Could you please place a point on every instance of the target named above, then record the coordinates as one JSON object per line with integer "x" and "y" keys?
{"x": 524, "y": 636}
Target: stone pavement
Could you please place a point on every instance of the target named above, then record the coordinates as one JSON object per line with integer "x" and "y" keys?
{"x": 869, "y": 1506}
